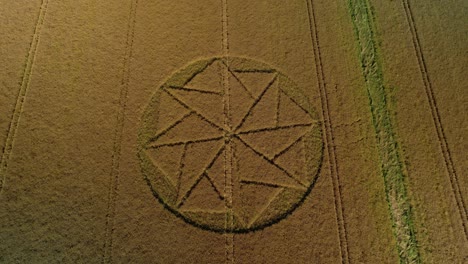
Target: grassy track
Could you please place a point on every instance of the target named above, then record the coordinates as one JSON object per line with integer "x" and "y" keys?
{"x": 394, "y": 178}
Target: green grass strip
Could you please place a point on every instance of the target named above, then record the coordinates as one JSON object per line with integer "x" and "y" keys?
{"x": 394, "y": 178}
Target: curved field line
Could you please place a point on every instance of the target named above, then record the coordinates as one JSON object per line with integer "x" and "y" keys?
{"x": 328, "y": 135}
{"x": 26, "y": 80}
{"x": 118, "y": 132}
{"x": 452, "y": 174}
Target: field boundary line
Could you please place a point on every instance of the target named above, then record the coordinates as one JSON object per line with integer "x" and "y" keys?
{"x": 228, "y": 153}
{"x": 328, "y": 135}
{"x": 26, "y": 80}
{"x": 118, "y": 134}
{"x": 399, "y": 205}
{"x": 444, "y": 147}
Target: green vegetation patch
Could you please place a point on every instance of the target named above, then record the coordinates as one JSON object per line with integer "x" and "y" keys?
{"x": 394, "y": 178}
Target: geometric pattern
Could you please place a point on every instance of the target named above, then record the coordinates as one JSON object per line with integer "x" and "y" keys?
{"x": 230, "y": 138}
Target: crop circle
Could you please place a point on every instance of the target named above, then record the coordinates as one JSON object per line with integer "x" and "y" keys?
{"x": 230, "y": 145}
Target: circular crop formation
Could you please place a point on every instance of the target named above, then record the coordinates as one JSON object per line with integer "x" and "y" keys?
{"x": 230, "y": 145}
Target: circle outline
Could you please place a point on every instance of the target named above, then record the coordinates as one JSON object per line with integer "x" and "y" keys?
{"x": 143, "y": 139}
